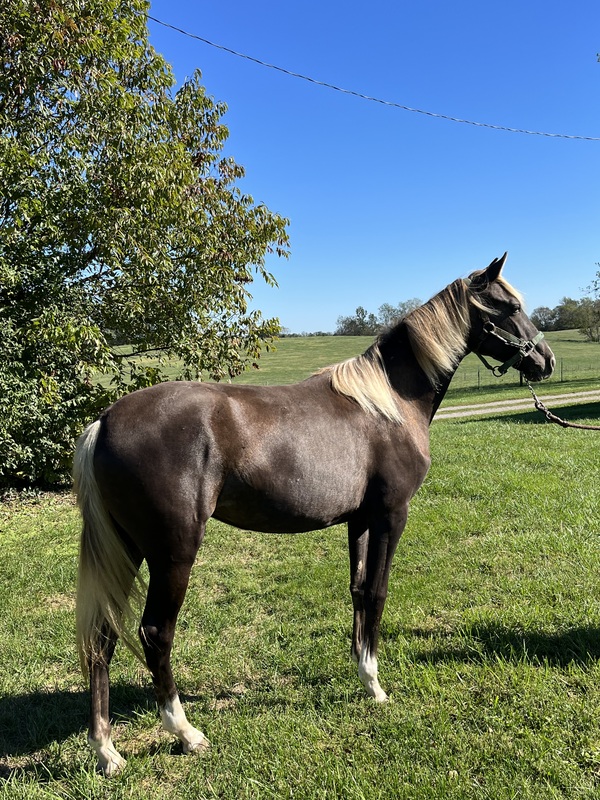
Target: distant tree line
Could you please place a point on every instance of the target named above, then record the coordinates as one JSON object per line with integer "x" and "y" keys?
{"x": 569, "y": 314}
{"x": 363, "y": 323}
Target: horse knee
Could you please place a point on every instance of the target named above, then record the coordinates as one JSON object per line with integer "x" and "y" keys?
{"x": 375, "y": 599}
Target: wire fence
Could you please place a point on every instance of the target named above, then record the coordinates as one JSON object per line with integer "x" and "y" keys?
{"x": 470, "y": 375}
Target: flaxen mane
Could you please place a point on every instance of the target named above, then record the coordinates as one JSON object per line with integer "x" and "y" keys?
{"x": 364, "y": 379}
{"x": 437, "y": 332}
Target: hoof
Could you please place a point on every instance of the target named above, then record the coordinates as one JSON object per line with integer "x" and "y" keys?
{"x": 198, "y": 745}
{"x": 381, "y": 697}
{"x": 110, "y": 763}
{"x": 113, "y": 767}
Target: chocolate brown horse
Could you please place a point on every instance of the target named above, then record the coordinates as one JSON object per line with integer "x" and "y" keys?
{"x": 348, "y": 445}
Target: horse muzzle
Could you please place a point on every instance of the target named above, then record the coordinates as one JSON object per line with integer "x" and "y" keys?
{"x": 537, "y": 366}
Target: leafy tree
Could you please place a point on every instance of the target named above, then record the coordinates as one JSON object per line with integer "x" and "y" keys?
{"x": 568, "y": 314}
{"x": 595, "y": 287}
{"x": 544, "y": 318}
{"x": 593, "y": 326}
{"x": 589, "y": 318}
{"x": 361, "y": 324}
{"x": 388, "y": 314}
{"x": 121, "y": 220}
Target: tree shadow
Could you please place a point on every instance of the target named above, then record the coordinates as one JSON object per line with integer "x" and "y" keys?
{"x": 493, "y": 641}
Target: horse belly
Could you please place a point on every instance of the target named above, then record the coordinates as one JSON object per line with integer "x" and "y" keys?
{"x": 292, "y": 504}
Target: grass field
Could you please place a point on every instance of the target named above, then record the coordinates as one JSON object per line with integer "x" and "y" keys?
{"x": 578, "y": 366}
{"x": 490, "y": 643}
{"x": 295, "y": 358}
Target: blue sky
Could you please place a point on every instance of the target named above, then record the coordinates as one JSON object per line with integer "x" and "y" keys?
{"x": 385, "y": 204}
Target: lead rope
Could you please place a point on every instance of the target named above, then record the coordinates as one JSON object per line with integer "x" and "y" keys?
{"x": 552, "y": 417}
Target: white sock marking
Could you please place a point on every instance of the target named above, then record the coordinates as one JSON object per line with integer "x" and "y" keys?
{"x": 174, "y": 721}
{"x": 367, "y": 672}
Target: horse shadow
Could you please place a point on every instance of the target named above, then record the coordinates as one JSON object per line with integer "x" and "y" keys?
{"x": 31, "y": 722}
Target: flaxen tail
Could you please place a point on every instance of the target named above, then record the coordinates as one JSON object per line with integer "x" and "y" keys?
{"x": 106, "y": 581}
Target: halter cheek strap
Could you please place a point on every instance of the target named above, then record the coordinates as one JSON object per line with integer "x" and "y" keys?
{"x": 523, "y": 346}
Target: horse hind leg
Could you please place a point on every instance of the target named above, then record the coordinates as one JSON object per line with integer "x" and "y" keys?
{"x": 108, "y": 565}
{"x": 358, "y": 540}
{"x": 166, "y": 592}
{"x": 97, "y": 653}
{"x": 99, "y": 734}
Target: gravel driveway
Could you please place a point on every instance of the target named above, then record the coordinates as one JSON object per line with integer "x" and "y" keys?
{"x": 526, "y": 404}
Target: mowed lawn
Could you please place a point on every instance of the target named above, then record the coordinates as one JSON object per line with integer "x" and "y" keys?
{"x": 490, "y": 645}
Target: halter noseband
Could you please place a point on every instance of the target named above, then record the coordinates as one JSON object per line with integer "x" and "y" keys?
{"x": 523, "y": 346}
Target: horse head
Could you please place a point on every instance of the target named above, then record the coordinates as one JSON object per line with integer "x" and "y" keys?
{"x": 500, "y": 328}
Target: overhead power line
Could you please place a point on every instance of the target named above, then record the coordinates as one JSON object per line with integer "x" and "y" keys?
{"x": 352, "y": 93}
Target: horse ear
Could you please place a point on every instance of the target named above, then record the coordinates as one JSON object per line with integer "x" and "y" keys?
{"x": 492, "y": 272}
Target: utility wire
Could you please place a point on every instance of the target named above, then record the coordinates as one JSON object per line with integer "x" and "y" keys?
{"x": 366, "y": 96}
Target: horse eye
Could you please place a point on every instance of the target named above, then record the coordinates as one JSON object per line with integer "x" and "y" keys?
{"x": 516, "y": 309}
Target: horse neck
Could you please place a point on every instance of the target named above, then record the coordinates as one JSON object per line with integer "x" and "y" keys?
{"x": 440, "y": 393}
{"x": 407, "y": 376}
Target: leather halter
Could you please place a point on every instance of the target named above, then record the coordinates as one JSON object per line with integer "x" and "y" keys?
{"x": 523, "y": 346}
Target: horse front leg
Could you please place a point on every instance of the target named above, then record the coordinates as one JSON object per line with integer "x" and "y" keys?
{"x": 358, "y": 541}
{"x": 383, "y": 540}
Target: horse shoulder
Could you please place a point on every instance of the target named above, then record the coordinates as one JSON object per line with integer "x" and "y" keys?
{"x": 403, "y": 457}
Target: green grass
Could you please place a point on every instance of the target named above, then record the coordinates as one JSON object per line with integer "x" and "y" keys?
{"x": 490, "y": 646}
{"x": 578, "y": 364}
{"x": 490, "y": 642}
{"x": 578, "y": 367}
{"x": 294, "y": 358}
